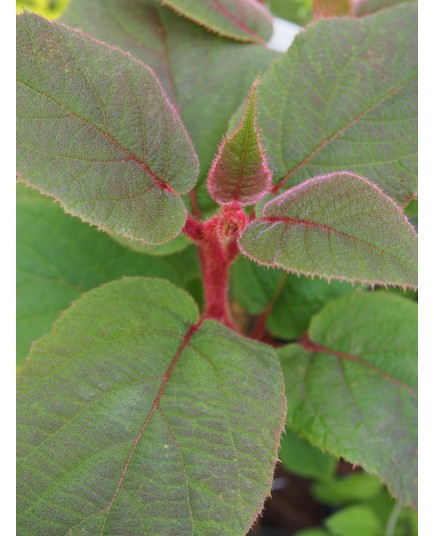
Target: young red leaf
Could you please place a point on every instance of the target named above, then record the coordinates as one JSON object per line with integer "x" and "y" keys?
{"x": 240, "y": 171}
{"x": 331, "y": 8}
{"x": 337, "y": 226}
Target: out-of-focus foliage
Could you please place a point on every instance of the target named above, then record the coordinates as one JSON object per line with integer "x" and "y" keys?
{"x": 298, "y": 11}
{"x": 52, "y": 9}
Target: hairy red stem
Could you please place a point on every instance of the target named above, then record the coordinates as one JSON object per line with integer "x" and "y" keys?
{"x": 218, "y": 248}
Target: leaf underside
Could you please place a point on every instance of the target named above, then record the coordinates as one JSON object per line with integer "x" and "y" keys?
{"x": 96, "y": 131}
{"x": 351, "y": 390}
{"x": 336, "y": 226}
{"x": 134, "y": 419}
{"x": 344, "y": 97}
{"x": 240, "y": 171}
{"x": 244, "y": 20}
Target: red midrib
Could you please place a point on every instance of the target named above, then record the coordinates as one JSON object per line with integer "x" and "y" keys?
{"x": 154, "y": 407}
{"x": 311, "y": 346}
{"x": 331, "y": 138}
{"x": 129, "y": 156}
{"x": 233, "y": 18}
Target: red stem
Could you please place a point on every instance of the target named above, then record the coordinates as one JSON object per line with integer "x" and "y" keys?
{"x": 216, "y": 253}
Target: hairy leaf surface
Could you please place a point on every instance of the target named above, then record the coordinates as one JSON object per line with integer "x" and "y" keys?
{"x": 59, "y": 258}
{"x": 134, "y": 418}
{"x": 336, "y": 226}
{"x": 240, "y": 171}
{"x": 344, "y": 97}
{"x": 96, "y": 131}
{"x": 205, "y": 76}
{"x": 287, "y": 301}
{"x": 351, "y": 386}
{"x": 367, "y": 7}
{"x": 244, "y": 20}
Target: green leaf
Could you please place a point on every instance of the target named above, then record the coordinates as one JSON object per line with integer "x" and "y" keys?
{"x": 331, "y": 8}
{"x": 134, "y": 418}
{"x": 59, "y": 258}
{"x": 286, "y": 301}
{"x": 354, "y": 521}
{"x": 344, "y": 97}
{"x": 240, "y": 171}
{"x": 367, "y": 7}
{"x": 96, "y": 131}
{"x": 244, "y": 20}
{"x": 302, "y": 458}
{"x": 205, "y": 76}
{"x": 351, "y": 386}
{"x": 348, "y": 489}
{"x": 336, "y": 226}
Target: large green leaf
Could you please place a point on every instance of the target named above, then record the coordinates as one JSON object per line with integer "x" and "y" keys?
{"x": 344, "y": 97}
{"x": 351, "y": 387}
{"x": 96, "y": 131}
{"x": 286, "y": 301}
{"x": 336, "y": 226}
{"x": 206, "y": 77}
{"x": 244, "y": 20}
{"x": 135, "y": 419}
{"x": 59, "y": 258}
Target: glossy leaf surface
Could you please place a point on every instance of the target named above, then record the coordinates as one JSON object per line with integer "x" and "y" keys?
{"x": 352, "y": 386}
{"x": 240, "y": 171}
{"x": 336, "y": 226}
{"x": 344, "y": 97}
{"x": 244, "y": 20}
{"x": 128, "y": 420}
{"x": 96, "y": 131}
{"x": 60, "y": 257}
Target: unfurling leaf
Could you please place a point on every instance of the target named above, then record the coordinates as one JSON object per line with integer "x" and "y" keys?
{"x": 331, "y": 8}
{"x": 240, "y": 171}
{"x": 96, "y": 131}
{"x": 243, "y": 20}
{"x": 336, "y": 226}
{"x": 344, "y": 96}
{"x": 351, "y": 386}
{"x": 135, "y": 418}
